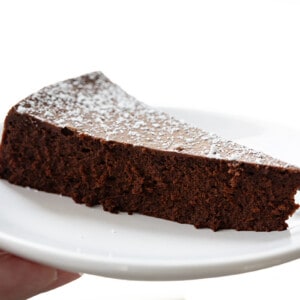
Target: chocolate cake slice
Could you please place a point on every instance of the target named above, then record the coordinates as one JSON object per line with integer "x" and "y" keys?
{"x": 88, "y": 139}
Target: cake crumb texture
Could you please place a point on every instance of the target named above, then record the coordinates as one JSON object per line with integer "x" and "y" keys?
{"x": 88, "y": 139}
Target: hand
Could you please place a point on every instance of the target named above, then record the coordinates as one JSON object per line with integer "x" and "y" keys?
{"x": 21, "y": 279}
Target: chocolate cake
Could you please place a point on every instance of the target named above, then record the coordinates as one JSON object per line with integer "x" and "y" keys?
{"x": 88, "y": 139}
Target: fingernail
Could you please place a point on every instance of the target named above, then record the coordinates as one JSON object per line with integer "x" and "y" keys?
{"x": 63, "y": 277}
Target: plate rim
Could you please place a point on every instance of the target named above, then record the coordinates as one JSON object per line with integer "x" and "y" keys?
{"x": 139, "y": 269}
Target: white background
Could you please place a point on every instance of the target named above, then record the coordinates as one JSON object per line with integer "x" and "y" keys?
{"x": 233, "y": 57}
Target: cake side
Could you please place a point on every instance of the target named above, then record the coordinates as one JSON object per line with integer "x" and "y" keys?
{"x": 205, "y": 192}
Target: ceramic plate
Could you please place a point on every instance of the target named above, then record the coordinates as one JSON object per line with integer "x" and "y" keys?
{"x": 54, "y": 230}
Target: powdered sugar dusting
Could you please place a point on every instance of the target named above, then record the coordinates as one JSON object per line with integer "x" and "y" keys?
{"x": 93, "y": 105}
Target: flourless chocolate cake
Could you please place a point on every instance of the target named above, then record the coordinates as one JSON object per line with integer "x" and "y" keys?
{"x": 88, "y": 139}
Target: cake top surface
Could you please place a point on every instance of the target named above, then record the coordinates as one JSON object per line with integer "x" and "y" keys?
{"x": 93, "y": 105}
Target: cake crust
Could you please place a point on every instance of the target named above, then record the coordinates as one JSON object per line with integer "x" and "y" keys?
{"x": 88, "y": 139}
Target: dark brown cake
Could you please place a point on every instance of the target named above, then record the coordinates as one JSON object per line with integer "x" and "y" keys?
{"x": 88, "y": 139}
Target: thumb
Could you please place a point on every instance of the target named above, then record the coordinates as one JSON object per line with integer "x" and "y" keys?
{"x": 21, "y": 279}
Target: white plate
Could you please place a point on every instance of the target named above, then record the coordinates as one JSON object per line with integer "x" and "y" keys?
{"x": 54, "y": 230}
